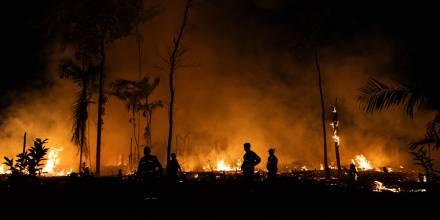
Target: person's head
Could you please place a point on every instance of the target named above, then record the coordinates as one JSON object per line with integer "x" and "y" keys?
{"x": 247, "y": 146}
{"x": 173, "y": 156}
{"x": 271, "y": 151}
{"x": 147, "y": 150}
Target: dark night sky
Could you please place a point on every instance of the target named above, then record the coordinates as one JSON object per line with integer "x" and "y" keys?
{"x": 411, "y": 25}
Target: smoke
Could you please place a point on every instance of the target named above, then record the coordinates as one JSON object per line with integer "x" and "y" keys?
{"x": 240, "y": 83}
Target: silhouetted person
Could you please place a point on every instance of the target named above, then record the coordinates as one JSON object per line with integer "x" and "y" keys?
{"x": 250, "y": 160}
{"x": 173, "y": 169}
{"x": 272, "y": 165}
{"x": 149, "y": 167}
{"x": 353, "y": 173}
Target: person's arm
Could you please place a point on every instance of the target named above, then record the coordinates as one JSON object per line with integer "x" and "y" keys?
{"x": 257, "y": 159}
{"x": 158, "y": 165}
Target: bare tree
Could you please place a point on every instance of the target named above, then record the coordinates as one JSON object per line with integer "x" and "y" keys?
{"x": 175, "y": 53}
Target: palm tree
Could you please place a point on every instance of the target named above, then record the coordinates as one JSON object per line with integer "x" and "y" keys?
{"x": 83, "y": 73}
{"x": 91, "y": 26}
{"x": 377, "y": 96}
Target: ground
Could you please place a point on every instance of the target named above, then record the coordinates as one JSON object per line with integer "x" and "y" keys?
{"x": 221, "y": 194}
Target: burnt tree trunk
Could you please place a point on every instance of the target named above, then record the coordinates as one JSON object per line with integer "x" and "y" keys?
{"x": 326, "y": 168}
{"x": 172, "y": 68}
{"x": 100, "y": 109}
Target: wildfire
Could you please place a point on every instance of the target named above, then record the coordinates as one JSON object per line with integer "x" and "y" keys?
{"x": 362, "y": 162}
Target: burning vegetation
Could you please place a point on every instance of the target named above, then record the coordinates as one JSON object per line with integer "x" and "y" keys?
{"x": 269, "y": 87}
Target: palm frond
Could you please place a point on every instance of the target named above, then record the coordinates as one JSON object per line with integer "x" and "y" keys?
{"x": 80, "y": 116}
{"x": 70, "y": 70}
{"x": 432, "y": 136}
{"x": 376, "y": 96}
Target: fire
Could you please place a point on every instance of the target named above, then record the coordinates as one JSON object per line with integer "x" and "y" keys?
{"x": 2, "y": 169}
{"x": 304, "y": 168}
{"x": 379, "y": 187}
{"x": 49, "y": 168}
{"x": 362, "y": 162}
{"x": 334, "y": 125}
{"x": 221, "y": 166}
{"x": 52, "y": 161}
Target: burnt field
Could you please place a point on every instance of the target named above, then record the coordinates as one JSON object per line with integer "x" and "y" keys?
{"x": 220, "y": 189}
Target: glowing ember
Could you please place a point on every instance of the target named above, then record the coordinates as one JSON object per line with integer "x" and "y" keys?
{"x": 304, "y": 168}
{"x": 361, "y": 162}
{"x": 52, "y": 161}
{"x": 332, "y": 167}
{"x": 380, "y": 187}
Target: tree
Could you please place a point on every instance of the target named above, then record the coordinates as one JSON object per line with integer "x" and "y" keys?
{"x": 175, "y": 53}
{"x": 29, "y": 162}
{"x": 135, "y": 94}
{"x": 377, "y": 96}
{"x": 89, "y": 26}
{"x": 315, "y": 32}
{"x": 83, "y": 73}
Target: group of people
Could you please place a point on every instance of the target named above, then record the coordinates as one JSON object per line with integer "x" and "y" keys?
{"x": 150, "y": 168}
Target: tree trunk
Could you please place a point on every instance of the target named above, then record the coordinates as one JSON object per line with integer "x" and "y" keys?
{"x": 338, "y": 160}
{"x": 82, "y": 140}
{"x": 138, "y": 39}
{"x": 173, "y": 58}
{"x": 326, "y": 168}
{"x": 100, "y": 107}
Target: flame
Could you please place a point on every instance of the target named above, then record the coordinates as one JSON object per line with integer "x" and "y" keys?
{"x": 304, "y": 168}
{"x": 49, "y": 169}
{"x": 334, "y": 125}
{"x": 362, "y": 162}
{"x": 52, "y": 161}
{"x": 221, "y": 166}
{"x": 379, "y": 187}
{"x": 2, "y": 169}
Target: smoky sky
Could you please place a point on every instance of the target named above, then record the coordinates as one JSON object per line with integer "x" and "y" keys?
{"x": 410, "y": 25}
{"x": 250, "y": 72}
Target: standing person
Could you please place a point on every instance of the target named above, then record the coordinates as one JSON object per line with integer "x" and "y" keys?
{"x": 173, "y": 169}
{"x": 353, "y": 173}
{"x": 250, "y": 160}
{"x": 149, "y": 166}
{"x": 272, "y": 165}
